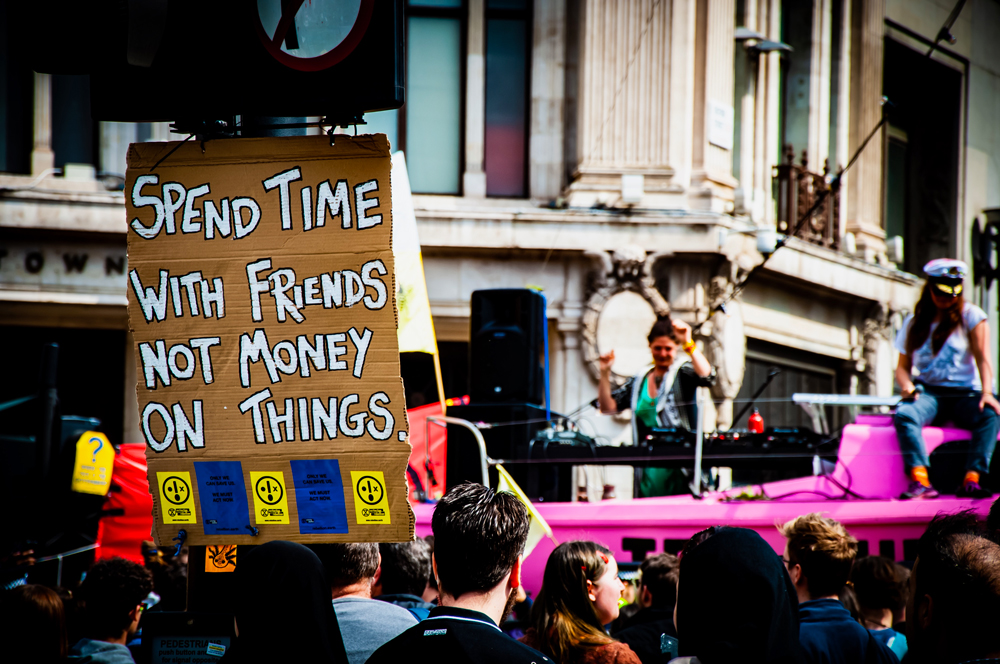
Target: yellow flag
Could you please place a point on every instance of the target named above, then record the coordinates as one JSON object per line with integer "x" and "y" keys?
{"x": 416, "y": 328}
{"x": 538, "y": 528}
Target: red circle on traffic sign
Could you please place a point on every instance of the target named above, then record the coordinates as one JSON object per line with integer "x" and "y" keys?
{"x": 320, "y": 62}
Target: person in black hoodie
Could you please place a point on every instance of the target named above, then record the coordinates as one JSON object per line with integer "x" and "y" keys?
{"x": 735, "y": 603}
{"x": 657, "y": 596}
{"x": 282, "y": 607}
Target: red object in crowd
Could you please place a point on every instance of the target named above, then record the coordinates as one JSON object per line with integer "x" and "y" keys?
{"x": 124, "y": 534}
{"x": 433, "y": 481}
{"x": 756, "y": 422}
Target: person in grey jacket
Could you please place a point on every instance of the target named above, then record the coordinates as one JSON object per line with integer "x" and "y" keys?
{"x": 112, "y": 597}
{"x": 365, "y": 623}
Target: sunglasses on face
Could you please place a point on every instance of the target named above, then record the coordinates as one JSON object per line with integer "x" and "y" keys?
{"x": 946, "y": 290}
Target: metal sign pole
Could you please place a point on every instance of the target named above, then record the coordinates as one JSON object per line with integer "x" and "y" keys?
{"x": 699, "y": 439}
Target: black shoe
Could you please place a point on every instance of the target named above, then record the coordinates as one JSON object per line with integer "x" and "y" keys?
{"x": 973, "y": 490}
{"x": 917, "y": 490}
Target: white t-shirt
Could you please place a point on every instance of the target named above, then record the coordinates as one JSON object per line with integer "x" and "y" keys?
{"x": 954, "y": 365}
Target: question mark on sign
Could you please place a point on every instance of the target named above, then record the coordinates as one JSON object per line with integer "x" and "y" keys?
{"x": 100, "y": 446}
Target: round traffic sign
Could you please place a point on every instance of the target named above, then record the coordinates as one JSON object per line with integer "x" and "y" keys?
{"x": 314, "y": 35}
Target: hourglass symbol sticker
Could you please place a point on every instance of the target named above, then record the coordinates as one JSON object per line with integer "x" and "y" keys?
{"x": 269, "y": 499}
{"x": 371, "y": 503}
{"x": 175, "y": 490}
{"x": 269, "y": 490}
{"x": 176, "y": 496}
{"x": 370, "y": 490}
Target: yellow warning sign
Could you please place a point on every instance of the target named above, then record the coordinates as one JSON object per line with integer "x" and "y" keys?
{"x": 176, "y": 497}
{"x": 370, "y": 502}
{"x": 270, "y": 502}
{"x": 95, "y": 459}
{"x": 220, "y": 558}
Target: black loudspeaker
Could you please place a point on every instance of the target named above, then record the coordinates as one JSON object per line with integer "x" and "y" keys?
{"x": 507, "y": 349}
{"x": 514, "y": 425}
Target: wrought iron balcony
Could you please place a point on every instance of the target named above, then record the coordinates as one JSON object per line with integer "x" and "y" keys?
{"x": 797, "y": 190}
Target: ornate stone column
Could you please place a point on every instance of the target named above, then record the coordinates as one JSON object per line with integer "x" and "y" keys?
{"x": 712, "y": 182}
{"x": 864, "y": 181}
{"x": 628, "y": 119}
{"x": 42, "y": 157}
{"x": 819, "y": 102}
{"x": 767, "y": 105}
{"x": 474, "y": 178}
{"x": 548, "y": 75}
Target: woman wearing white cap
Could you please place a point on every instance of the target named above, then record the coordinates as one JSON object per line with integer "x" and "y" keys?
{"x": 946, "y": 339}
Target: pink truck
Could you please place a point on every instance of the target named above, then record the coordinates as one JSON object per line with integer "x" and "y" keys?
{"x": 861, "y": 492}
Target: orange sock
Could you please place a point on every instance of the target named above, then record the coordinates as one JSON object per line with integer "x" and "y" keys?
{"x": 971, "y": 476}
{"x": 919, "y": 474}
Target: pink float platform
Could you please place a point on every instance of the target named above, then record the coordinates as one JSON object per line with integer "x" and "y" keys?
{"x": 869, "y": 464}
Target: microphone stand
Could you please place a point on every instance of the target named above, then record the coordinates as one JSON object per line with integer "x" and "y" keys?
{"x": 760, "y": 390}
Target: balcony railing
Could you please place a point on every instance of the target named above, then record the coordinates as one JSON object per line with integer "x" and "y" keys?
{"x": 797, "y": 191}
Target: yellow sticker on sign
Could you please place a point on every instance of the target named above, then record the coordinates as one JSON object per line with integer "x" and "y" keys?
{"x": 270, "y": 502}
{"x": 370, "y": 501}
{"x": 95, "y": 459}
{"x": 176, "y": 497}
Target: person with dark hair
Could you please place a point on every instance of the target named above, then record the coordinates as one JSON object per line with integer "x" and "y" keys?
{"x": 899, "y": 616}
{"x": 947, "y": 340}
{"x": 698, "y": 538}
{"x": 169, "y": 575}
{"x": 405, "y": 568}
{"x": 657, "y": 595}
{"x": 33, "y": 625}
{"x": 282, "y": 607}
{"x": 881, "y": 594}
{"x": 430, "y": 594}
{"x": 366, "y": 623}
{"x": 849, "y": 599}
{"x": 479, "y": 538}
{"x": 112, "y": 596}
{"x": 735, "y": 603}
{"x": 579, "y": 595}
{"x": 993, "y": 522}
{"x": 819, "y": 553}
{"x": 954, "y": 602}
{"x": 660, "y": 396}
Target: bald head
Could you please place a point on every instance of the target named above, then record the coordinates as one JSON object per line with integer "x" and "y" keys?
{"x": 955, "y": 591}
{"x": 980, "y": 559}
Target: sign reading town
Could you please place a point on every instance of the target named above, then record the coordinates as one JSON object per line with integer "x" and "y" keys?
{"x": 262, "y": 304}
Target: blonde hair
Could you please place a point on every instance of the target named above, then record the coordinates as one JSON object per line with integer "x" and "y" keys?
{"x": 823, "y": 548}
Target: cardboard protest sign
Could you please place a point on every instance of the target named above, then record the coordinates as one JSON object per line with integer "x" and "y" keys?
{"x": 262, "y": 304}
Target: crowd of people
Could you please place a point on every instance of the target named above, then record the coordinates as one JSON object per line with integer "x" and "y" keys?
{"x": 727, "y": 597}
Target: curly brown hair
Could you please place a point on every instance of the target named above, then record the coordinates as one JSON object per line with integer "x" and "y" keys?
{"x": 824, "y": 549}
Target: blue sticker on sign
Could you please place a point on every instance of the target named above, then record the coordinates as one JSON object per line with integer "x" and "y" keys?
{"x": 319, "y": 496}
{"x": 223, "y": 497}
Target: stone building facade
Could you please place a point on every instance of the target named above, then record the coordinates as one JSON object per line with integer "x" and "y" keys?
{"x": 589, "y": 147}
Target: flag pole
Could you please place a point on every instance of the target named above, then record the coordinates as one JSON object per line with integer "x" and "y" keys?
{"x": 440, "y": 381}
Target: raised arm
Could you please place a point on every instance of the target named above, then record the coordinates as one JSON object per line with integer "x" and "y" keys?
{"x": 979, "y": 340}
{"x": 701, "y": 365}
